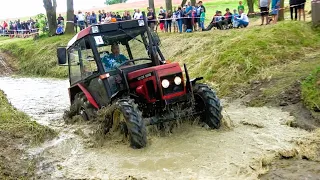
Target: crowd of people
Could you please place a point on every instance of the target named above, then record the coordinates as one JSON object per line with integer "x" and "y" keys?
{"x": 186, "y": 18}
{"x": 19, "y": 28}
{"x": 182, "y": 19}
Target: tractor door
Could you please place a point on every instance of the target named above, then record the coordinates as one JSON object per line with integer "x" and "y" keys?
{"x": 89, "y": 72}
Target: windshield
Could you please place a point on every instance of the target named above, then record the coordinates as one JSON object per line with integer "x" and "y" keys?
{"x": 114, "y": 51}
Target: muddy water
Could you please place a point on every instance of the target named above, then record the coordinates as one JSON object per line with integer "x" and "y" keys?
{"x": 191, "y": 152}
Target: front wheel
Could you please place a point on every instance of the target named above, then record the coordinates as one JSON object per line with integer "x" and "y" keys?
{"x": 207, "y": 100}
{"x": 127, "y": 119}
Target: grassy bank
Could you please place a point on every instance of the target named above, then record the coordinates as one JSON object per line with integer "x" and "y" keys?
{"x": 17, "y": 130}
{"x": 311, "y": 90}
{"x": 37, "y": 58}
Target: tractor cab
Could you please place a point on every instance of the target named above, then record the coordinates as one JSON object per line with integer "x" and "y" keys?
{"x": 121, "y": 64}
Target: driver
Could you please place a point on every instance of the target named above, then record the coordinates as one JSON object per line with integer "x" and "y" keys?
{"x": 114, "y": 59}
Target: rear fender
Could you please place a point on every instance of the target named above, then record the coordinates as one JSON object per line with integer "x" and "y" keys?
{"x": 80, "y": 88}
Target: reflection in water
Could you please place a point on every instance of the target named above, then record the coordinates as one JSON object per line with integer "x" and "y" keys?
{"x": 191, "y": 152}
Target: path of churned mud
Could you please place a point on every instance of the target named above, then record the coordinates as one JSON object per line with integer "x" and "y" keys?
{"x": 191, "y": 152}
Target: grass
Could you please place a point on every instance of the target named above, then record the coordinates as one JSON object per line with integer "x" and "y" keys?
{"x": 230, "y": 59}
{"x": 16, "y": 131}
{"x": 37, "y": 58}
{"x": 311, "y": 90}
{"x": 19, "y": 125}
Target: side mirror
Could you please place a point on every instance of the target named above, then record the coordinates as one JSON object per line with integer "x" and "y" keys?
{"x": 156, "y": 38}
{"x": 62, "y": 55}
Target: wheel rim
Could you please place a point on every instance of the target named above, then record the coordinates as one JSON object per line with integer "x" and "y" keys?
{"x": 119, "y": 127}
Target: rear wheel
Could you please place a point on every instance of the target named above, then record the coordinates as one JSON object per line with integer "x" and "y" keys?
{"x": 127, "y": 121}
{"x": 207, "y": 100}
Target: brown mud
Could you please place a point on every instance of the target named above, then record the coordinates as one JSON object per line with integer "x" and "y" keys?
{"x": 7, "y": 66}
{"x": 247, "y": 147}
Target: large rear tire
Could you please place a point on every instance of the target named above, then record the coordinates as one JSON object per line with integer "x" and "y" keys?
{"x": 207, "y": 100}
{"x": 127, "y": 118}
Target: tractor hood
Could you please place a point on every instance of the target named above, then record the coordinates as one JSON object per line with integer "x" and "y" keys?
{"x": 162, "y": 70}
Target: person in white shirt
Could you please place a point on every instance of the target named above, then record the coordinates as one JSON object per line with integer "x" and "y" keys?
{"x": 243, "y": 21}
{"x": 137, "y": 15}
{"x": 81, "y": 19}
{"x": 108, "y": 18}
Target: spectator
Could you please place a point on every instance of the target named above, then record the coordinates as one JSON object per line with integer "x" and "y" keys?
{"x": 137, "y": 15}
{"x": 202, "y": 18}
{"x": 300, "y": 8}
{"x": 169, "y": 21}
{"x": 215, "y": 22}
{"x": 100, "y": 16}
{"x": 75, "y": 20}
{"x": 264, "y": 8}
{"x": 275, "y": 5}
{"x": 293, "y": 7}
{"x": 162, "y": 16}
{"x": 198, "y": 10}
{"x": 219, "y": 22}
{"x": 88, "y": 19}
{"x": 108, "y": 18}
{"x": 179, "y": 15}
{"x": 189, "y": 17}
{"x": 235, "y": 22}
{"x": 118, "y": 17}
{"x": 93, "y": 18}
{"x": 240, "y": 6}
{"x": 228, "y": 16}
{"x": 202, "y": 7}
{"x": 243, "y": 20}
{"x": 174, "y": 20}
{"x": 81, "y": 19}
{"x": 161, "y": 9}
{"x": 195, "y": 18}
{"x": 59, "y": 19}
{"x": 128, "y": 15}
{"x": 59, "y": 30}
{"x": 151, "y": 19}
{"x": 184, "y": 18}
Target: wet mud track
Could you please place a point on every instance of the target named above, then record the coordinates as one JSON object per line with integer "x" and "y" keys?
{"x": 191, "y": 152}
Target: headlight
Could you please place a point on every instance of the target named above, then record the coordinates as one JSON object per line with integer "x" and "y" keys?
{"x": 177, "y": 80}
{"x": 165, "y": 83}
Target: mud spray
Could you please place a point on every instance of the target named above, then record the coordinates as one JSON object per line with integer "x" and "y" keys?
{"x": 249, "y": 141}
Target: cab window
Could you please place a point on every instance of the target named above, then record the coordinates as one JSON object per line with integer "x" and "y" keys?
{"x": 87, "y": 61}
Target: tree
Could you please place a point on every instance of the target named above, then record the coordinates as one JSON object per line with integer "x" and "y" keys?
{"x": 109, "y": 2}
{"x": 183, "y": 3}
{"x": 70, "y": 17}
{"x": 169, "y": 5}
{"x": 193, "y": 2}
{"x": 151, "y": 5}
{"x": 250, "y": 4}
{"x": 281, "y": 12}
{"x": 51, "y": 6}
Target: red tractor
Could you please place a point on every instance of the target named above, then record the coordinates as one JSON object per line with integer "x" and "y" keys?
{"x": 141, "y": 91}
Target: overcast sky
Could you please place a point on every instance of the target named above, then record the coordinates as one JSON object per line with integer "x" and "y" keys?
{"x": 22, "y": 8}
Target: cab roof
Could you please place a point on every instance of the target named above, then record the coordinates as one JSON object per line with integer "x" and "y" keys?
{"x": 114, "y": 29}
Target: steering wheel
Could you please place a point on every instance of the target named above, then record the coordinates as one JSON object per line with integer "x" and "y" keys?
{"x": 133, "y": 60}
